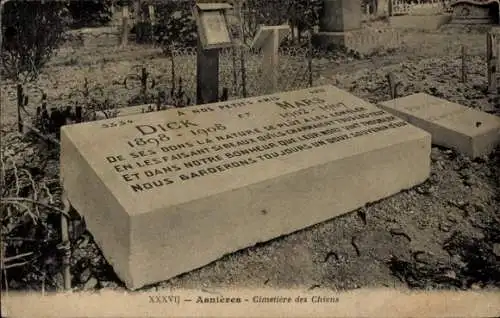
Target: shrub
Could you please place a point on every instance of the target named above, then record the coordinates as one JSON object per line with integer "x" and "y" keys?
{"x": 31, "y": 31}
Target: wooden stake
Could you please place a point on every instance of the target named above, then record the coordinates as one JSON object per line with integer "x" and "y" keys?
{"x": 492, "y": 60}
{"x": 125, "y": 17}
{"x": 242, "y": 49}
{"x": 152, "y": 15}
{"x": 464, "y": 64}
{"x": 20, "y": 101}
{"x": 393, "y": 85}
{"x": 310, "y": 58}
{"x": 65, "y": 245}
{"x": 152, "y": 22}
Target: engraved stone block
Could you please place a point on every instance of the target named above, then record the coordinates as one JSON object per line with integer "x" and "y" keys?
{"x": 167, "y": 192}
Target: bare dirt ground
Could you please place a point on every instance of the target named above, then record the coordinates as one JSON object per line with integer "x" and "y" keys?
{"x": 444, "y": 233}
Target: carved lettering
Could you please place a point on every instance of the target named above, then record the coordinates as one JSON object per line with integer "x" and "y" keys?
{"x": 180, "y": 150}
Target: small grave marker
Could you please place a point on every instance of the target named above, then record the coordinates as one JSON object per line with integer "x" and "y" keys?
{"x": 268, "y": 38}
{"x": 155, "y": 187}
{"x": 452, "y": 125}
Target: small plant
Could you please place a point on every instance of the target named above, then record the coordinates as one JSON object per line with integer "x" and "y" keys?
{"x": 145, "y": 81}
{"x": 92, "y": 101}
{"x": 87, "y": 107}
{"x": 175, "y": 96}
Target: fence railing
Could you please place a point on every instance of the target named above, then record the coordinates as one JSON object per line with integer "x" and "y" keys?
{"x": 172, "y": 85}
{"x": 408, "y": 7}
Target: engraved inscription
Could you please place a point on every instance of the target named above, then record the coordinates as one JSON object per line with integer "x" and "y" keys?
{"x": 180, "y": 150}
{"x": 215, "y": 27}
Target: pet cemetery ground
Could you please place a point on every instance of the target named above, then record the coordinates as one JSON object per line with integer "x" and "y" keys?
{"x": 443, "y": 233}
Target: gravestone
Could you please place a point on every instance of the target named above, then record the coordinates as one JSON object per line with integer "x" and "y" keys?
{"x": 473, "y": 12}
{"x": 340, "y": 25}
{"x": 167, "y": 192}
{"x": 451, "y": 125}
{"x": 268, "y": 38}
{"x": 340, "y": 15}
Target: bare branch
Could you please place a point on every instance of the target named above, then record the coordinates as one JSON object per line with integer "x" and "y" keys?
{"x": 20, "y": 200}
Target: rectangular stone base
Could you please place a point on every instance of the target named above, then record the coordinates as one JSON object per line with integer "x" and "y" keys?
{"x": 364, "y": 41}
{"x": 271, "y": 165}
{"x": 469, "y": 131}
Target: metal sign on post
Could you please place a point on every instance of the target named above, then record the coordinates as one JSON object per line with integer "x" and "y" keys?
{"x": 212, "y": 25}
{"x": 213, "y": 34}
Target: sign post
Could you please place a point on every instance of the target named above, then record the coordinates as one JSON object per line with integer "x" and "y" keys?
{"x": 268, "y": 38}
{"x": 213, "y": 34}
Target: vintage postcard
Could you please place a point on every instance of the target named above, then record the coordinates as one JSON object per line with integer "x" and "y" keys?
{"x": 250, "y": 158}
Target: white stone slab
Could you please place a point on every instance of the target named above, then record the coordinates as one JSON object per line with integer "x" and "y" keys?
{"x": 217, "y": 178}
{"x": 472, "y": 132}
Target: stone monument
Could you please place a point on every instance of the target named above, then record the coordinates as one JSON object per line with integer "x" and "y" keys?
{"x": 340, "y": 24}
{"x": 167, "y": 192}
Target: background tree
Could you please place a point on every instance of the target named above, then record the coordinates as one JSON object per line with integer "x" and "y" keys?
{"x": 31, "y": 31}
{"x": 90, "y": 13}
{"x": 304, "y": 16}
{"x": 175, "y": 24}
{"x": 299, "y": 14}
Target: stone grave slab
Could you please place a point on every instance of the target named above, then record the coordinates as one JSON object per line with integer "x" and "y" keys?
{"x": 167, "y": 192}
{"x": 472, "y": 132}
